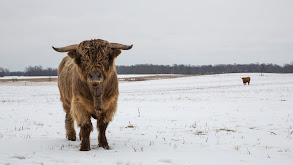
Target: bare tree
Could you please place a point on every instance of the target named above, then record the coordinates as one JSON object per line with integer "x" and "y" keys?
{"x": 3, "y": 72}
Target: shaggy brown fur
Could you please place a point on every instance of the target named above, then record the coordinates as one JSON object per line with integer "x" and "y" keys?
{"x": 246, "y": 80}
{"x": 88, "y": 86}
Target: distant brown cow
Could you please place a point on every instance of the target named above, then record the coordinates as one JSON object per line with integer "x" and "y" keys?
{"x": 246, "y": 80}
{"x": 88, "y": 86}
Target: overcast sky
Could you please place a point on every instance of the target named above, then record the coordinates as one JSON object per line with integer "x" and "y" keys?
{"x": 162, "y": 31}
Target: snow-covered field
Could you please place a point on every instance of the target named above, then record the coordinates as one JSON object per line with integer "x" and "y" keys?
{"x": 211, "y": 120}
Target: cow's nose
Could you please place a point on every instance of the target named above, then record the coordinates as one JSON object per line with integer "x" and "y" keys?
{"x": 95, "y": 76}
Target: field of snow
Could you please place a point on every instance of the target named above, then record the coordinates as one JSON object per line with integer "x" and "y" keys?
{"x": 200, "y": 120}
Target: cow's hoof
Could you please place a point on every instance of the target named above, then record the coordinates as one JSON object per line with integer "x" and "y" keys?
{"x": 85, "y": 145}
{"x": 71, "y": 137}
{"x": 105, "y": 146}
{"x": 85, "y": 149}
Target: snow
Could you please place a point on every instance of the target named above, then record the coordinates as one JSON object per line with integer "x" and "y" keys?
{"x": 212, "y": 119}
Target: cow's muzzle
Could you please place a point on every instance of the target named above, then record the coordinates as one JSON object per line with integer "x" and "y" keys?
{"x": 95, "y": 77}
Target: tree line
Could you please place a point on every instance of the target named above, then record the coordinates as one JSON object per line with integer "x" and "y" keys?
{"x": 204, "y": 69}
{"x": 30, "y": 71}
{"x": 167, "y": 69}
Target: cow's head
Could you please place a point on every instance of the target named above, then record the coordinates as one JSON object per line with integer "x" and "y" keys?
{"x": 94, "y": 58}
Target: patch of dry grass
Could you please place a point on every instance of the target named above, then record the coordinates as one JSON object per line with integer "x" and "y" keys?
{"x": 155, "y": 77}
{"x": 225, "y": 129}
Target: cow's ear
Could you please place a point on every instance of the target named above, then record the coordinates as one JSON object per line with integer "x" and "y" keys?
{"x": 115, "y": 53}
{"x": 75, "y": 55}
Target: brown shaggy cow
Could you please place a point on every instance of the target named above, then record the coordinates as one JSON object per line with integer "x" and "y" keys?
{"x": 88, "y": 86}
{"x": 246, "y": 80}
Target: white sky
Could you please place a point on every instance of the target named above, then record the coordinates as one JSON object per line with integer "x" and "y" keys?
{"x": 162, "y": 31}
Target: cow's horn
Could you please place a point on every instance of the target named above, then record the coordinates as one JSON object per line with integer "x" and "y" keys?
{"x": 120, "y": 46}
{"x": 67, "y": 48}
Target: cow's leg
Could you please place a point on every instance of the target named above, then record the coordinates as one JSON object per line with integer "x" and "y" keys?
{"x": 69, "y": 123}
{"x": 102, "y": 126}
{"x": 248, "y": 82}
{"x": 83, "y": 120}
{"x": 84, "y": 135}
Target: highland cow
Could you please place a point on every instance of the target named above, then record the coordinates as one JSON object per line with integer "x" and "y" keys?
{"x": 88, "y": 86}
{"x": 246, "y": 80}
